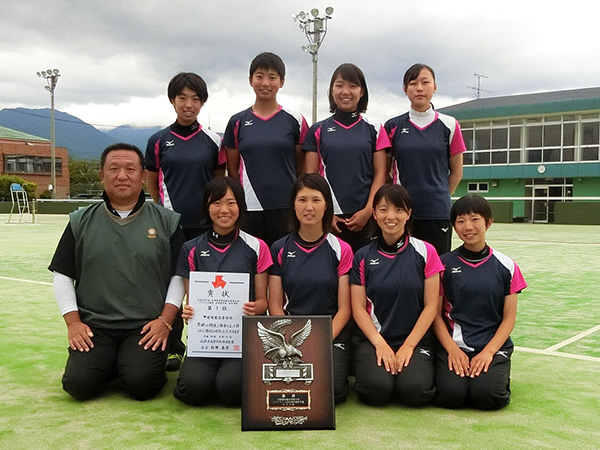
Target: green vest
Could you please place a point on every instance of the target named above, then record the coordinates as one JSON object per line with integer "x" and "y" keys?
{"x": 123, "y": 265}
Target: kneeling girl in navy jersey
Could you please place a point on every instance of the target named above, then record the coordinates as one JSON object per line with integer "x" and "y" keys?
{"x": 225, "y": 248}
{"x": 311, "y": 268}
{"x": 394, "y": 287}
{"x": 479, "y": 288}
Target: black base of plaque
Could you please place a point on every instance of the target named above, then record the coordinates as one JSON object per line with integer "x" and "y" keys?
{"x": 287, "y": 378}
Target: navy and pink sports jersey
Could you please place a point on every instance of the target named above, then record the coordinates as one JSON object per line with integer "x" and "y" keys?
{"x": 346, "y": 159}
{"x": 267, "y": 149}
{"x": 421, "y": 158}
{"x": 310, "y": 276}
{"x": 473, "y": 297}
{"x": 395, "y": 285}
{"x": 184, "y": 165}
{"x": 246, "y": 254}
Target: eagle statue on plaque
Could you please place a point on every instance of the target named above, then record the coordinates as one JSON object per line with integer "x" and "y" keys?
{"x": 286, "y": 357}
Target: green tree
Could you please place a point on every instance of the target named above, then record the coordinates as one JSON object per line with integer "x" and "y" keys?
{"x": 7, "y": 180}
{"x": 84, "y": 177}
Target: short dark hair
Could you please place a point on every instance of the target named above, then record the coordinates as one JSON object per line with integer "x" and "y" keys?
{"x": 121, "y": 146}
{"x": 188, "y": 80}
{"x": 471, "y": 204}
{"x": 352, "y": 73}
{"x": 399, "y": 197}
{"x": 217, "y": 188}
{"x": 267, "y": 60}
{"x": 413, "y": 73}
{"x": 318, "y": 183}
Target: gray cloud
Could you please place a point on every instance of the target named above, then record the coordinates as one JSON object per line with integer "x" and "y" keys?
{"x": 112, "y": 52}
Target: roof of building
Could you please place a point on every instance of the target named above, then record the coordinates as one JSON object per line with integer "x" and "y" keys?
{"x": 527, "y": 104}
{"x": 9, "y": 133}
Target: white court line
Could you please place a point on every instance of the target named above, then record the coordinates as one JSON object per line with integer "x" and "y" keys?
{"x": 524, "y": 241}
{"x": 573, "y": 339}
{"x": 549, "y": 351}
{"x": 45, "y": 283}
{"x": 560, "y": 354}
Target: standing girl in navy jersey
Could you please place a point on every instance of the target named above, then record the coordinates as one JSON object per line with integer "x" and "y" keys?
{"x": 427, "y": 157}
{"x": 311, "y": 268}
{"x": 394, "y": 286}
{"x": 349, "y": 150}
{"x": 480, "y": 287}
{"x": 180, "y": 160}
{"x": 264, "y": 150}
{"x": 225, "y": 248}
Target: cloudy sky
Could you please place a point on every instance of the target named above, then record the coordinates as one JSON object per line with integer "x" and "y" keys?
{"x": 116, "y": 57}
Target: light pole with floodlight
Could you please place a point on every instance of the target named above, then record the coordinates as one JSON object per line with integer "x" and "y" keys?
{"x": 315, "y": 29}
{"x": 51, "y": 77}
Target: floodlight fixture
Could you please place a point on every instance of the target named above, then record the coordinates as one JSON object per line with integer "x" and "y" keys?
{"x": 315, "y": 29}
{"x": 51, "y": 77}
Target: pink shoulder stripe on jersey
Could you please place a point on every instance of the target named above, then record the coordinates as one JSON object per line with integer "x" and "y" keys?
{"x": 236, "y": 132}
{"x": 264, "y": 257}
{"x": 383, "y": 140}
{"x": 392, "y": 133}
{"x": 318, "y": 141}
{"x": 191, "y": 263}
{"x": 347, "y": 256}
{"x": 303, "y": 130}
{"x": 457, "y": 143}
{"x": 518, "y": 282}
{"x": 280, "y": 256}
{"x": 157, "y": 154}
{"x": 161, "y": 175}
{"x": 222, "y": 158}
{"x": 302, "y": 124}
{"x": 361, "y": 271}
{"x": 433, "y": 264}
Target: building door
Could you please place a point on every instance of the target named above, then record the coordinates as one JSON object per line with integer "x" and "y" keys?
{"x": 541, "y": 204}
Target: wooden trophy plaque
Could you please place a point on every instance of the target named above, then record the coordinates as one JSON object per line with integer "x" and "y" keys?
{"x": 287, "y": 375}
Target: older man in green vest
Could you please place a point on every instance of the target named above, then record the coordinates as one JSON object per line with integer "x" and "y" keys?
{"x": 115, "y": 286}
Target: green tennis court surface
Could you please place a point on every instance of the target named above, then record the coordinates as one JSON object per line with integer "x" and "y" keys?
{"x": 555, "y": 375}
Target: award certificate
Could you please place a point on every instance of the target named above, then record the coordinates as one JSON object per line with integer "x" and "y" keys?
{"x": 218, "y": 299}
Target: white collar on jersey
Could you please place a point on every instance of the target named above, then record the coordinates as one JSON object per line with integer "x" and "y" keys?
{"x": 422, "y": 119}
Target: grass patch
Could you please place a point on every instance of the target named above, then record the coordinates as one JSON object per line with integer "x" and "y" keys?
{"x": 555, "y": 400}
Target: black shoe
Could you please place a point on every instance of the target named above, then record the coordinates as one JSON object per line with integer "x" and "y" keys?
{"x": 174, "y": 361}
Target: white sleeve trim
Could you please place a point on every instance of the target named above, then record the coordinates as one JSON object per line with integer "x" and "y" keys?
{"x": 64, "y": 291}
{"x": 176, "y": 291}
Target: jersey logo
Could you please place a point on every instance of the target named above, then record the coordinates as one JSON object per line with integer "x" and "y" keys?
{"x": 374, "y": 262}
{"x": 340, "y": 345}
{"x": 291, "y": 254}
{"x": 330, "y": 129}
{"x": 445, "y": 229}
{"x": 456, "y": 270}
{"x": 152, "y": 233}
{"x": 248, "y": 123}
{"x": 204, "y": 253}
{"x": 404, "y": 131}
{"x": 424, "y": 351}
{"x": 169, "y": 143}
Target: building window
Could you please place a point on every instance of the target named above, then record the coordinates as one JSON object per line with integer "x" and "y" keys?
{"x": 478, "y": 186}
{"x": 549, "y": 139}
{"x": 31, "y": 164}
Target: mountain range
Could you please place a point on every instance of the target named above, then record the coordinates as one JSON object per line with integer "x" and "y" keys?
{"x": 83, "y": 140}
